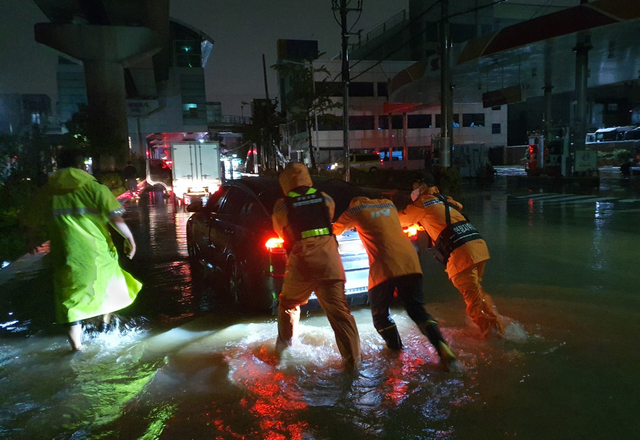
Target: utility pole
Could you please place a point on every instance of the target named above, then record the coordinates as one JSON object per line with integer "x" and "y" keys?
{"x": 344, "y": 7}
{"x": 263, "y": 150}
{"x": 446, "y": 101}
{"x": 345, "y": 83}
{"x": 313, "y": 90}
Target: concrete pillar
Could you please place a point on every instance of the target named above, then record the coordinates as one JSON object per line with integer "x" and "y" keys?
{"x": 107, "y": 103}
{"x": 582, "y": 48}
{"x": 391, "y": 140}
{"x": 104, "y": 51}
{"x": 405, "y": 148}
{"x": 548, "y": 94}
{"x": 548, "y": 91}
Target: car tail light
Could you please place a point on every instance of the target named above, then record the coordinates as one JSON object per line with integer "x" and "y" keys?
{"x": 275, "y": 245}
{"x": 412, "y": 230}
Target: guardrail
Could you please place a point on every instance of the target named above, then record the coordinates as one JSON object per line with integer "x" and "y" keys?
{"x": 390, "y": 23}
{"x": 229, "y": 120}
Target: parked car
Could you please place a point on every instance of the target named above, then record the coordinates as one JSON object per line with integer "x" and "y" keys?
{"x": 363, "y": 161}
{"x": 232, "y": 238}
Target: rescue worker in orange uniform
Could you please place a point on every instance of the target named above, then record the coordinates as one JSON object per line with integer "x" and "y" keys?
{"x": 459, "y": 246}
{"x": 393, "y": 265}
{"x": 303, "y": 220}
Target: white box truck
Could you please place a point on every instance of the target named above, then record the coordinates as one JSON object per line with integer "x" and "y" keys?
{"x": 196, "y": 169}
{"x": 185, "y": 165}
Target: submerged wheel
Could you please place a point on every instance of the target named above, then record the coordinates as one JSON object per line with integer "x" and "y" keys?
{"x": 194, "y": 264}
{"x": 236, "y": 285}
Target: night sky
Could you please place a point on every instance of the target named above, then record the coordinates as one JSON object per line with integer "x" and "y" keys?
{"x": 242, "y": 31}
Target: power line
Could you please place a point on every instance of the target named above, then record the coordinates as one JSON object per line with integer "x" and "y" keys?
{"x": 396, "y": 33}
{"x": 545, "y": 6}
{"x": 419, "y": 35}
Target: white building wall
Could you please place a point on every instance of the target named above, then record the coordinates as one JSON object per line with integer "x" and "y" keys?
{"x": 383, "y": 139}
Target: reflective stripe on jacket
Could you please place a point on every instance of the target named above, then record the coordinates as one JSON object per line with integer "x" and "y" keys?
{"x": 88, "y": 280}
{"x": 390, "y": 252}
{"x": 428, "y": 210}
{"x": 308, "y": 214}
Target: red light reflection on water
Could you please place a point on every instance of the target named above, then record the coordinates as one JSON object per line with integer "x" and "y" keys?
{"x": 397, "y": 390}
{"x": 272, "y": 397}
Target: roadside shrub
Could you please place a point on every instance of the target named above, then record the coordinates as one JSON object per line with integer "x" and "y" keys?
{"x": 622, "y": 155}
{"x": 448, "y": 180}
{"x": 15, "y": 196}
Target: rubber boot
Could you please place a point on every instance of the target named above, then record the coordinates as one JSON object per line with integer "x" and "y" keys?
{"x": 490, "y": 327}
{"x": 105, "y": 325}
{"x": 432, "y": 332}
{"x": 391, "y": 337}
{"x": 282, "y": 345}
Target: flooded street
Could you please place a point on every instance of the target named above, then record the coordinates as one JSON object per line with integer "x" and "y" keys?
{"x": 182, "y": 364}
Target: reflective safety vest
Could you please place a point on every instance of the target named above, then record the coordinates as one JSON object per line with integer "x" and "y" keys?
{"x": 308, "y": 214}
{"x": 453, "y": 236}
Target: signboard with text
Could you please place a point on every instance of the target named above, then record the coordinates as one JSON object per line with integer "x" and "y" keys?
{"x": 586, "y": 160}
{"x": 137, "y": 108}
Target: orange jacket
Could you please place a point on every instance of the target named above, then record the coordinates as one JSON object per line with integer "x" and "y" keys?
{"x": 313, "y": 258}
{"x": 390, "y": 252}
{"x": 432, "y": 218}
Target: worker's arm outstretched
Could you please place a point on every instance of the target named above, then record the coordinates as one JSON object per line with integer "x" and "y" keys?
{"x": 410, "y": 215}
{"x": 454, "y": 203}
{"x": 344, "y": 222}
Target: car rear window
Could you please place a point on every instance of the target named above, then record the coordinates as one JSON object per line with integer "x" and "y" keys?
{"x": 340, "y": 191}
{"x": 269, "y": 196}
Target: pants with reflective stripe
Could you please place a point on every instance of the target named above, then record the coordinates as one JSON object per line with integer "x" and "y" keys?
{"x": 480, "y": 306}
{"x": 409, "y": 288}
{"x": 333, "y": 301}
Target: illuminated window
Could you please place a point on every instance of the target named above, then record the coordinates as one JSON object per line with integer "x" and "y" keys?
{"x": 473, "y": 120}
{"x": 190, "y": 111}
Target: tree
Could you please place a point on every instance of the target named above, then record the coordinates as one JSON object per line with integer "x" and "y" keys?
{"x": 26, "y": 157}
{"x": 303, "y": 100}
{"x": 97, "y": 139}
{"x": 264, "y": 130}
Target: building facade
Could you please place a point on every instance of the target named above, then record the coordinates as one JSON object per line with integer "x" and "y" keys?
{"x": 406, "y": 130}
{"x": 165, "y": 93}
{"x": 20, "y": 112}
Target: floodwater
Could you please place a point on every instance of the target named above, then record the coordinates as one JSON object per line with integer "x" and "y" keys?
{"x": 183, "y": 365}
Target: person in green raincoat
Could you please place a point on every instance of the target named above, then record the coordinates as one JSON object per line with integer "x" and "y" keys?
{"x": 88, "y": 280}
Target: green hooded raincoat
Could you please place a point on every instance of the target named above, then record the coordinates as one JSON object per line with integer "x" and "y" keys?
{"x": 88, "y": 280}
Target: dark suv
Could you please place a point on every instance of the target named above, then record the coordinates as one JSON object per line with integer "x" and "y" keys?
{"x": 232, "y": 236}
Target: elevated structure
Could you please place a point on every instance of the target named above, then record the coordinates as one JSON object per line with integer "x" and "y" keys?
{"x": 572, "y": 63}
{"x": 106, "y": 37}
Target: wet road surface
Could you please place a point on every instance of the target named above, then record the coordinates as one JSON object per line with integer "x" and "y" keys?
{"x": 184, "y": 364}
